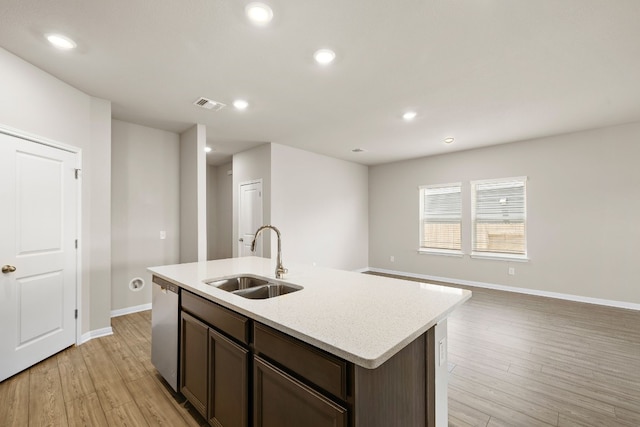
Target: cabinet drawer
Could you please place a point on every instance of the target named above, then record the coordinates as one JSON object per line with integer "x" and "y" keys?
{"x": 233, "y": 324}
{"x": 280, "y": 400}
{"x": 326, "y": 371}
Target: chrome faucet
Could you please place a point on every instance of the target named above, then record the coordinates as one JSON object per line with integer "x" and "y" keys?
{"x": 280, "y": 270}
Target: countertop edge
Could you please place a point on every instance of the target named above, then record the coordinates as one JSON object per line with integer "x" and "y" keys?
{"x": 365, "y": 362}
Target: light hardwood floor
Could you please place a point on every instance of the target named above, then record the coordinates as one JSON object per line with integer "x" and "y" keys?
{"x": 521, "y": 360}
{"x": 514, "y": 360}
{"x": 108, "y": 381}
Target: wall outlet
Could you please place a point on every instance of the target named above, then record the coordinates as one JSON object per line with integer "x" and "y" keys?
{"x": 512, "y": 271}
{"x": 392, "y": 258}
{"x": 163, "y": 234}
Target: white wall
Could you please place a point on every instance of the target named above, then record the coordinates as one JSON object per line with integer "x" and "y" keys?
{"x": 145, "y": 201}
{"x": 251, "y": 165}
{"x": 193, "y": 195}
{"x": 320, "y": 205}
{"x": 67, "y": 115}
{"x": 583, "y": 204}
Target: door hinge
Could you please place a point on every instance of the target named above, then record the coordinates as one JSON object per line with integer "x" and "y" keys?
{"x": 77, "y": 173}
{"x": 75, "y": 313}
{"x": 76, "y": 243}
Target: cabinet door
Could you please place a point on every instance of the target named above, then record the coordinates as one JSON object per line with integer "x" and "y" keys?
{"x": 228, "y": 382}
{"x": 194, "y": 355}
{"x": 282, "y": 401}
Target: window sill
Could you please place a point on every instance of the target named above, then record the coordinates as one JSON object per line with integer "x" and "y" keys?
{"x": 500, "y": 257}
{"x": 443, "y": 252}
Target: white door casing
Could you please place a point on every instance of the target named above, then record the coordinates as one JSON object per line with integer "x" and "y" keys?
{"x": 38, "y": 231}
{"x": 249, "y": 217}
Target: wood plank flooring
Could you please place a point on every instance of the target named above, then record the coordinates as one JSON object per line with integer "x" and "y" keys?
{"x": 521, "y": 360}
{"x": 108, "y": 381}
{"x": 514, "y": 360}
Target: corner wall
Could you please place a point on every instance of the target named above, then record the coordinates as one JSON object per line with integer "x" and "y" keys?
{"x": 145, "y": 194}
{"x": 583, "y": 235}
{"x": 220, "y": 211}
{"x": 320, "y": 205}
{"x": 193, "y": 195}
{"x": 98, "y": 177}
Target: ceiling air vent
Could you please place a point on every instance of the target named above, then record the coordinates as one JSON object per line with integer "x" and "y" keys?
{"x": 208, "y": 104}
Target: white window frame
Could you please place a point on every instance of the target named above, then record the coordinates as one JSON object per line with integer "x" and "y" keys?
{"x": 498, "y": 255}
{"x": 437, "y": 251}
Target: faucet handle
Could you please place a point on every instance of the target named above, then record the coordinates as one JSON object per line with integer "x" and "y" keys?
{"x": 281, "y": 271}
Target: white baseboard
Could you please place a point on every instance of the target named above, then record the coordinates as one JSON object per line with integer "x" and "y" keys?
{"x": 88, "y": 336}
{"x": 527, "y": 291}
{"x": 129, "y": 310}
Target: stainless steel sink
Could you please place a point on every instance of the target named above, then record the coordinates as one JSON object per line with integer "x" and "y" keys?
{"x": 253, "y": 287}
{"x": 237, "y": 283}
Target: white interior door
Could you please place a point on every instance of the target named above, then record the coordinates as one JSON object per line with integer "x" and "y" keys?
{"x": 38, "y": 221}
{"x": 249, "y": 217}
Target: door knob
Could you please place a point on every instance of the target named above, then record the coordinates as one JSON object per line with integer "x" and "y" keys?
{"x": 241, "y": 240}
{"x": 8, "y": 269}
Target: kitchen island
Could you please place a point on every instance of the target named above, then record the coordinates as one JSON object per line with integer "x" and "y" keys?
{"x": 384, "y": 341}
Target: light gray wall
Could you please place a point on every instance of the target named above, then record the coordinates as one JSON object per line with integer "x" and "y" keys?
{"x": 67, "y": 115}
{"x": 101, "y": 201}
{"x": 320, "y": 205}
{"x": 582, "y": 206}
{"x": 224, "y": 211}
{"x": 220, "y": 211}
{"x": 224, "y": 208}
{"x": 145, "y": 201}
{"x": 193, "y": 195}
{"x": 212, "y": 214}
{"x": 251, "y": 165}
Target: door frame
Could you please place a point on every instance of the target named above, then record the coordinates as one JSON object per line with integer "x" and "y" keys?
{"x": 17, "y": 133}
{"x": 251, "y": 181}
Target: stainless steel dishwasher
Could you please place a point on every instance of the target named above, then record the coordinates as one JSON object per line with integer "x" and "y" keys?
{"x": 164, "y": 330}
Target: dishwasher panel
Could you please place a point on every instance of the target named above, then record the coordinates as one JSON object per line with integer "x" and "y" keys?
{"x": 164, "y": 330}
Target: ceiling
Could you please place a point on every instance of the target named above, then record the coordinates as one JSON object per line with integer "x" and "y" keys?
{"x": 482, "y": 71}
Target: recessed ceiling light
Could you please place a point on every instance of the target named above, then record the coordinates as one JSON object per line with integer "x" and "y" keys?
{"x": 240, "y": 104}
{"x": 409, "y": 115}
{"x": 448, "y": 140}
{"x": 259, "y": 13}
{"x": 60, "y": 41}
{"x": 324, "y": 56}
{"x": 208, "y": 149}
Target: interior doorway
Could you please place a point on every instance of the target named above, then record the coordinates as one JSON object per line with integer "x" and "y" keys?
{"x": 38, "y": 252}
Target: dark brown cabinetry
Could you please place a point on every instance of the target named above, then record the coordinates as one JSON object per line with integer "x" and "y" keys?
{"x": 322, "y": 369}
{"x": 228, "y": 382}
{"x": 194, "y": 354}
{"x": 281, "y": 400}
{"x": 214, "y": 369}
{"x": 238, "y": 372}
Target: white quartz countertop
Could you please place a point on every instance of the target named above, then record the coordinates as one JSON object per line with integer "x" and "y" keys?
{"x": 361, "y": 318}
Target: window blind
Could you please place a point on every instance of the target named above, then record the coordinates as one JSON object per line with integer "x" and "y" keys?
{"x": 499, "y": 216}
{"x": 441, "y": 214}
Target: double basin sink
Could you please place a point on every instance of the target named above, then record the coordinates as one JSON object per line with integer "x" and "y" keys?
{"x": 253, "y": 287}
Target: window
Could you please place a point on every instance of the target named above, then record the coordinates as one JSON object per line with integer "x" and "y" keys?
{"x": 499, "y": 217}
{"x": 440, "y": 218}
